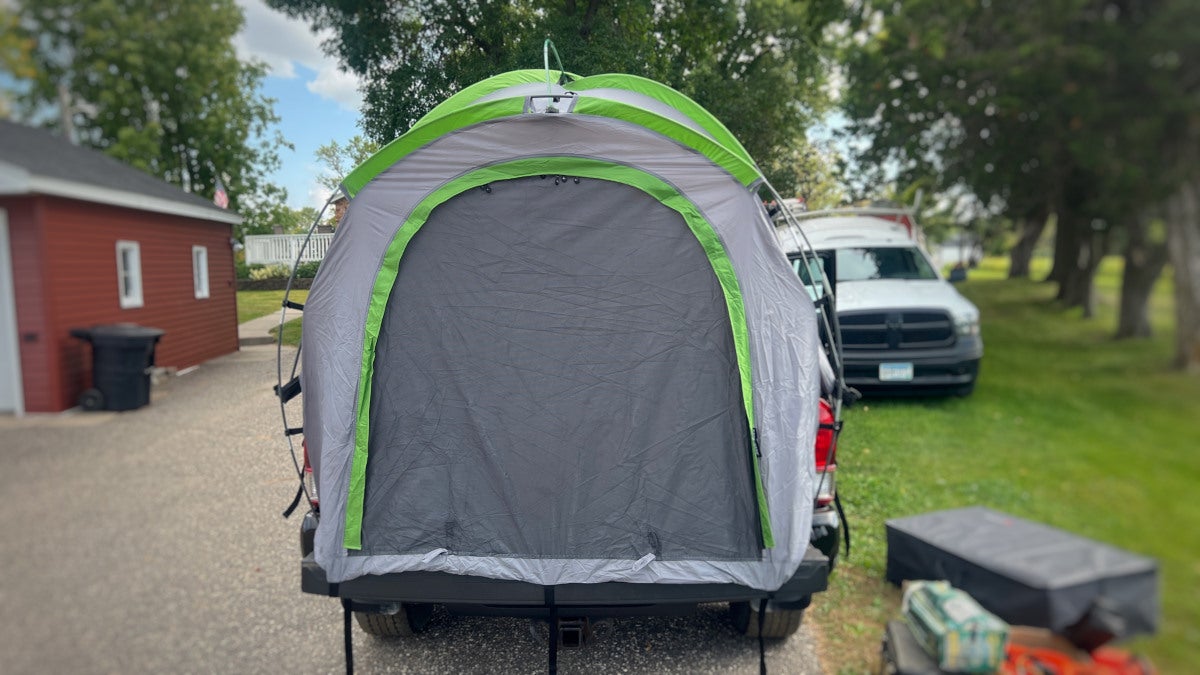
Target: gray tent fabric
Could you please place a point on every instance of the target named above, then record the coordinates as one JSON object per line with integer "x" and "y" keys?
{"x": 782, "y": 349}
{"x": 556, "y": 362}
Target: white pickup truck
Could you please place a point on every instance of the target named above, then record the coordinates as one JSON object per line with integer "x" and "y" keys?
{"x": 904, "y": 328}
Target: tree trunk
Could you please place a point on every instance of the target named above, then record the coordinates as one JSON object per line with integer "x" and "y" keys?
{"x": 1066, "y": 249}
{"x": 1078, "y": 273}
{"x": 1022, "y": 253}
{"x": 1144, "y": 262}
{"x": 1183, "y": 237}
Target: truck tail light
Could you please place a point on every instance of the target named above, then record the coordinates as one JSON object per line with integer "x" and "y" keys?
{"x": 310, "y": 481}
{"x": 826, "y": 454}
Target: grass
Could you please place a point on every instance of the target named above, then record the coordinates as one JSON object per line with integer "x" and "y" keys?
{"x": 1067, "y": 427}
{"x": 291, "y": 332}
{"x": 253, "y": 304}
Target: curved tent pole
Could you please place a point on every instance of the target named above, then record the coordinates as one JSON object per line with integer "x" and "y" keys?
{"x": 296, "y": 361}
{"x": 547, "y": 47}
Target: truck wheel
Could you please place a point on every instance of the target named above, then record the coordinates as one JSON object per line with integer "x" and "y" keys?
{"x": 411, "y": 619}
{"x": 777, "y": 624}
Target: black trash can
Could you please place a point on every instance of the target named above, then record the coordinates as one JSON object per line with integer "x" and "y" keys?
{"x": 122, "y": 355}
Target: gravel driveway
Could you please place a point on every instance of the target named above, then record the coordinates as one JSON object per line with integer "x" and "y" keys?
{"x": 151, "y": 541}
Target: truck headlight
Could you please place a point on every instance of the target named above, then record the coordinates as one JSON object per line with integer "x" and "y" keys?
{"x": 967, "y": 324}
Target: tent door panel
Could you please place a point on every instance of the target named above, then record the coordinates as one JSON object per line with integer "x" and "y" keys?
{"x": 555, "y": 376}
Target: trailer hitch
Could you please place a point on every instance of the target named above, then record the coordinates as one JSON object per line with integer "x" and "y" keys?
{"x": 574, "y": 633}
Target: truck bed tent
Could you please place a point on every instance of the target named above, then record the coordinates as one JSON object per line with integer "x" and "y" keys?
{"x": 554, "y": 340}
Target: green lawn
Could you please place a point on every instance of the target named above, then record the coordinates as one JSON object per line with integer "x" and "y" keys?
{"x": 1066, "y": 426}
{"x": 253, "y": 304}
{"x": 291, "y": 332}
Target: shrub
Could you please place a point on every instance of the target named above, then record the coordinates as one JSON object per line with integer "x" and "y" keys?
{"x": 307, "y": 270}
{"x": 270, "y": 272}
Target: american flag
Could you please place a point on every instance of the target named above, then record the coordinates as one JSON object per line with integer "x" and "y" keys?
{"x": 220, "y": 197}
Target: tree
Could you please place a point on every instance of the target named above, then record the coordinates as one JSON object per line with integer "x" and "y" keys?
{"x": 985, "y": 98}
{"x": 1066, "y": 108}
{"x": 288, "y": 220}
{"x": 157, "y": 84}
{"x": 755, "y": 65}
{"x": 338, "y": 160}
{"x": 810, "y": 171}
{"x": 16, "y": 54}
{"x": 1183, "y": 214}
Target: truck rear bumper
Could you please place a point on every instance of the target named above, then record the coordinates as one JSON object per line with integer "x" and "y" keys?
{"x": 480, "y": 595}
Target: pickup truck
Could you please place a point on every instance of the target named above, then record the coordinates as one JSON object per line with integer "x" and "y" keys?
{"x": 904, "y": 328}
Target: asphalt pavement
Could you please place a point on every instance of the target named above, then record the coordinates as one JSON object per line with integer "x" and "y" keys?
{"x": 152, "y": 541}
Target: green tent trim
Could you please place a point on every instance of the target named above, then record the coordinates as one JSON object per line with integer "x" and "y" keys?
{"x": 572, "y": 166}
{"x": 474, "y": 92}
{"x": 671, "y": 97}
{"x": 740, "y": 167}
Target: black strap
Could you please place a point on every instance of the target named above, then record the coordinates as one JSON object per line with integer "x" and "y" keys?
{"x": 837, "y": 501}
{"x": 762, "y": 645}
{"x": 293, "y": 305}
{"x": 292, "y": 431}
{"x": 552, "y": 667}
{"x": 349, "y": 636}
{"x": 287, "y": 513}
{"x": 288, "y": 391}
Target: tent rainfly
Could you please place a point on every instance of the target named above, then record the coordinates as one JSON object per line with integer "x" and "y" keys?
{"x": 554, "y": 340}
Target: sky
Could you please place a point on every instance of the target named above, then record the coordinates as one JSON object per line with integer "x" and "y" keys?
{"x": 316, "y": 103}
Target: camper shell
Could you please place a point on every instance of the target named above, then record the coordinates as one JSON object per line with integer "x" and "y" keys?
{"x": 556, "y": 363}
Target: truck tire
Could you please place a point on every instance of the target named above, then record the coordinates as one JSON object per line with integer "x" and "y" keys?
{"x": 777, "y": 624}
{"x": 410, "y": 620}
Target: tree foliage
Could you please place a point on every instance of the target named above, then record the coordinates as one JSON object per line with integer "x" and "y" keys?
{"x": 756, "y": 65}
{"x": 339, "y": 159}
{"x": 1067, "y": 107}
{"x": 276, "y": 217}
{"x": 157, "y": 84}
{"x": 16, "y": 55}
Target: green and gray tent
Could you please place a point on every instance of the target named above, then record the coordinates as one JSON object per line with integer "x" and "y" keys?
{"x": 555, "y": 340}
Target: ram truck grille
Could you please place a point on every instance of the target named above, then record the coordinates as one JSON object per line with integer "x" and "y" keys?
{"x": 875, "y": 331}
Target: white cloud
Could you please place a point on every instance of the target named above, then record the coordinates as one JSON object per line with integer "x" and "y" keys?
{"x": 337, "y": 85}
{"x": 282, "y": 43}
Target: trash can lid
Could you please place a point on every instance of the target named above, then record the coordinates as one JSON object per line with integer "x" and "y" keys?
{"x": 118, "y": 331}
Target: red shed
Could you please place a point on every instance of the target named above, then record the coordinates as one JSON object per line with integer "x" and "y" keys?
{"x": 86, "y": 240}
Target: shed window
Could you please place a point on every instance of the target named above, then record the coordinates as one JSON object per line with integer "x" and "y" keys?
{"x": 129, "y": 274}
{"x": 200, "y": 271}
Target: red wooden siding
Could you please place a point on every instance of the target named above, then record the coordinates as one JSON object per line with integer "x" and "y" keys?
{"x": 37, "y": 356}
{"x": 80, "y": 290}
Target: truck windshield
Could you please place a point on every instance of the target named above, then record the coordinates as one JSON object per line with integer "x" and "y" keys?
{"x": 861, "y": 264}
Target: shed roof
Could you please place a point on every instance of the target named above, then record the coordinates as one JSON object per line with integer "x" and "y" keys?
{"x": 34, "y": 161}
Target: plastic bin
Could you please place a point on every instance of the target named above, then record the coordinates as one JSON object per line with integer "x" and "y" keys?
{"x": 122, "y": 355}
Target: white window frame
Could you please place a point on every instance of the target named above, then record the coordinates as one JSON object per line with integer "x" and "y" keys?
{"x": 200, "y": 271}
{"x": 129, "y": 281}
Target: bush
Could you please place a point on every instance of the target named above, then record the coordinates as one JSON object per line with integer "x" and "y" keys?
{"x": 240, "y": 269}
{"x": 307, "y": 270}
{"x": 270, "y": 272}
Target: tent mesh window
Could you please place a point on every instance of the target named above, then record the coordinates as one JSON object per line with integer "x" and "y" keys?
{"x": 515, "y": 307}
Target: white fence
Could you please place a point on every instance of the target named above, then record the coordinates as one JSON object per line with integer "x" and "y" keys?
{"x": 282, "y": 249}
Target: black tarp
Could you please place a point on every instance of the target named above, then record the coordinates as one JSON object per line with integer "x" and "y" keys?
{"x": 1025, "y": 572}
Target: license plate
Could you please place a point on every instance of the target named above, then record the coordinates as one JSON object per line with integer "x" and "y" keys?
{"x": 895, "y": 372}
